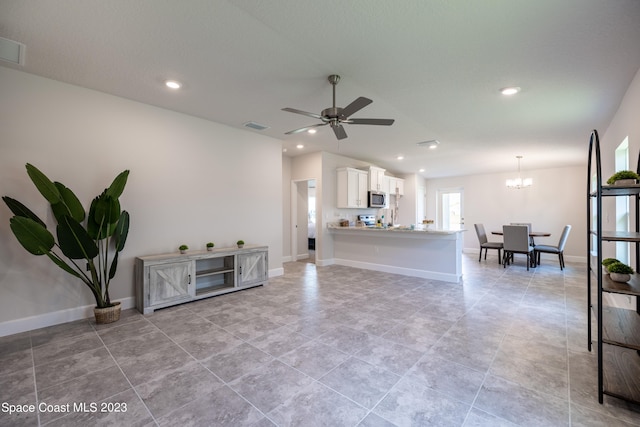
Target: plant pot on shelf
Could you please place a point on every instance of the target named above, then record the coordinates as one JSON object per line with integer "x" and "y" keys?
{"x": 625, "y": 182}
{"x": 107, "y": 314}
{"x": 620, "y": 277}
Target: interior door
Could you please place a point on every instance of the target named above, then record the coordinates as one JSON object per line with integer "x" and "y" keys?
{"x": 451, "y": 212}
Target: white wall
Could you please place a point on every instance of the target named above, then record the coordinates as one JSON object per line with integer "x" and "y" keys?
{"x": 191, "y": 181}
{"x": 557, "y": 198}
{"x": 626, "y": 123}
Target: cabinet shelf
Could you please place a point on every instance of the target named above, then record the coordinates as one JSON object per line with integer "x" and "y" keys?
{"x": 618, "y": 190}
{"x": 632, "y": 287}
{"x": 213, "y": 271}
{"x": 212, "y": 289}
{"x": 617, "y": 336}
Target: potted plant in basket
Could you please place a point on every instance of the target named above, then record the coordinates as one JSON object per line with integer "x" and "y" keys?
{"x": 210, "y": 246}
{"x": 240, "y": 243}
{"x": 607, "y": 262}
{"x": 87, "y": 245}
{"x": 625, "y": 177}
{"x": 620, "y": 272}
{"x": 183, "y": 249}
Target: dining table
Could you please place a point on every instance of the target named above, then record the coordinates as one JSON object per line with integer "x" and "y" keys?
{"x": 532, "y": 235}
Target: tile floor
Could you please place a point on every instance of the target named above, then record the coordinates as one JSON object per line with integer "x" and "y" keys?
{"x": 327, "y": 346}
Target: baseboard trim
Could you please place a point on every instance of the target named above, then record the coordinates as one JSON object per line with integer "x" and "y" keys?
{"x": 425, "y": 274}
{"x": 274, "y": 272}
{"x": 55, "y": 318}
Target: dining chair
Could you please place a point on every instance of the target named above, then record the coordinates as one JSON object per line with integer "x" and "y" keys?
{"x": 554, "y": 249}
{"x": 516, "y": 241}
{"x": 528, "y": 224}
{"x": 486, "y": 244}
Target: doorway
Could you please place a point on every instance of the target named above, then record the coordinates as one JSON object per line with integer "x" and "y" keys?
{"x": 451, "y": 209}
{"x": 303, "y": 220}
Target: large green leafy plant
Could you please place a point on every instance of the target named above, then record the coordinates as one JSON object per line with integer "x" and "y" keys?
{"x": 90, "y": 243}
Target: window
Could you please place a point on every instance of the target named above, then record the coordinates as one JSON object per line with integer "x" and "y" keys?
{"x": 622, "y": 203}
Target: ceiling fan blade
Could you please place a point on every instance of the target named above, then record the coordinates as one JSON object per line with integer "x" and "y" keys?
{"x": 304, "y": 113}
{"x": 381, "y": 122}
{"x": 356, "y": 105}
{"x": 306, "y": 128}
{"x": 339, "y": 131}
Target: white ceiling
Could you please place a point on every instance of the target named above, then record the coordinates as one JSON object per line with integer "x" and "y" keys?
{"x": 434, "y": 66}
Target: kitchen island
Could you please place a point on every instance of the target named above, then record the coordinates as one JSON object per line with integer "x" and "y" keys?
{"x": 420, "y": 252}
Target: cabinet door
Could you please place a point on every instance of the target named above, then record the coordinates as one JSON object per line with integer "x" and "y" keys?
{"x": 362, "y": 191}
{"x": 376, "y": 179}
{"x": 352, "y": 188}
{"x": 171, "y": 282}
{"x": 396, "y": 183}
{"x": 252, "y": 268}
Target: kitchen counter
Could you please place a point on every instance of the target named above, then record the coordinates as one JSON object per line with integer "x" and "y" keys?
{"x": 428, "y": 253}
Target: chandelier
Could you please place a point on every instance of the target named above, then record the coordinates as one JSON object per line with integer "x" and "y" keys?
{"x": 519, "y": 182}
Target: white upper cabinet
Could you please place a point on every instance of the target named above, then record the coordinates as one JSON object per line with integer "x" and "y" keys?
{"x": 352, "y": 188}
{"x": 395, "y": 183}
{"x": 377, "y": 179}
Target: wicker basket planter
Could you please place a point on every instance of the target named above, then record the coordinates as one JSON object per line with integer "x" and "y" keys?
{"x": 107, "y": 314}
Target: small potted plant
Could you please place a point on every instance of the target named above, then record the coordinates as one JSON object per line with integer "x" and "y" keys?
{"x": 625, "y": 177}
{"x": 240, "y": 243}
{"x": 210, "y": 246}
{"x": 607, "y": 262}
{"x": 183, "y": 249}
{"x": 620, "y": 272}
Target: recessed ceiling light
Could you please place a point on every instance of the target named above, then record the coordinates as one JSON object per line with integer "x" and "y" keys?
{"x": 421, "y": 170}
{"x": 299, "y": 146}
{"x": 312, "y": 131}
{"x": 511, "y": 90}
{"x": 172, "y": 84}
{"x": 400, "y": 157}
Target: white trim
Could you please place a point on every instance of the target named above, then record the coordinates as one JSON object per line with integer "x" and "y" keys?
{"x": 274, "y": 272}
{"x": 55, "y": 318}
{"x": 399, "y": 270}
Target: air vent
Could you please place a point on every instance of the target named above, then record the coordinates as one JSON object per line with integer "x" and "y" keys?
{"x": 432, "y": 143}
{"x": 11, "y": 51}
{"x": 254, "y": 125}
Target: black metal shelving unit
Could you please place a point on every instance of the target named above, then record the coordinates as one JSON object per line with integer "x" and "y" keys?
{"x": 617, "y": 335}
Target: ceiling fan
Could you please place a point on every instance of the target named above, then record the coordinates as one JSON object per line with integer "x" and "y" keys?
{"x": 336, "y": 116}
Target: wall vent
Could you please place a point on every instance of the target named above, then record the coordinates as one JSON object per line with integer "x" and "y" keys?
{"x": 12, "y": 51}
{"x": 254, "y": 125}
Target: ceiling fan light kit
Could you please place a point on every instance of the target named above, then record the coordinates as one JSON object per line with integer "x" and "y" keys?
{"x": 337, "y": 116}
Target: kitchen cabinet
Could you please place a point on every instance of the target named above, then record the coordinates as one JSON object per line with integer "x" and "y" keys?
{"x": 170, "y": 279}
{"x": 377, "y": 179}
{"x": 396, "y": 184}
{"x": 351, "y": 189}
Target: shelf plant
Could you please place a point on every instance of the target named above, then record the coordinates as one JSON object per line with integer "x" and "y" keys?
{"x": 240, "y": 243}
{"x": 183, "y": 249}
{"x": 210, "y": 246}
{"x": 624, "y": 174}
{"x": 88, "y": 245}
{"x": 620, "y": 272}
{"x": 607, "y": 262}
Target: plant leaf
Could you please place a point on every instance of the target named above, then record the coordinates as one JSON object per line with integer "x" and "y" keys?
{"x": 43, "y": 184}
{"x": 122, "y": 231}
{"x": 60, "y": 210}
{"x": 76, "y": 210}
{"x": 19, "y": 209}
{"x": 117, "y": 186}
{"x": 74, "y": 240}
{"x": 114, "y": 266}
{"x": 63, "y": 265}
{"x": 103, "y": 216}
{"x": 34, "y": 237}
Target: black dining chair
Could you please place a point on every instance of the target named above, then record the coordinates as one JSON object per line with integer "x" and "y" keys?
{"x": 486, "y": 244}
{"x": 516, "y": 241}
{"x": 559, "y": 250}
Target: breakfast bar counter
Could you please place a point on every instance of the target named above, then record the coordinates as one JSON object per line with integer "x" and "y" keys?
{"x": 420, "y": 252}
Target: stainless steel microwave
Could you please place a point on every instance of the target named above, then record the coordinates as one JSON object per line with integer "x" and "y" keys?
{"x": 377, "y": 199}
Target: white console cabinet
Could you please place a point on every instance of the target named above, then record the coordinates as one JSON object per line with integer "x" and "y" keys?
{"x": 170, "y": 279}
